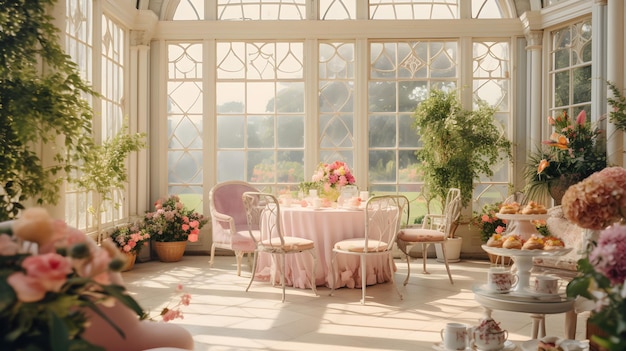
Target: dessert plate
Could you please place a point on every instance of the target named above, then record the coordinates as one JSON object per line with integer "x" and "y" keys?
{"x": 532, "y": 345}
{"x": 508, "y": 346}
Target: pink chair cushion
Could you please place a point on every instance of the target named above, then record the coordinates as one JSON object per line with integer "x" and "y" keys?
{"x": 240, "y": 241}
{"x": 358, "y": 245}
{"x": 419, "y": 235}
{"x": 292, "y": 243}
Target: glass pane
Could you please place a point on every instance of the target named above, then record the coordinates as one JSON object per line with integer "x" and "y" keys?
{"x": 290, "y": 167}
{"x": 231, "y": 133}
{"x": 184, "y": 167}
{"x": 337, "y": 9}
{"x": 407, "y": 134}
{"x": 185, "y": 60}
{"x": 261, "y": 10}
{"x": 382, "y": 166}
{"x": 413, "y": 9}
{"x": 260, "y": 97}
{"x": 260, "y": 131}
{"x": 581, "y": 84}
{"x": 382, "y": 131}
{"x": 409, "y": 94}
{"x": 289, "y": 98}
{"x": 382, "y": 96}
{"x": 230, "y": 97}
{"x": 261, "y": 167}
{"x": 408, "y": 171}
{"x": 561, "y": 92}
{"x": 290, "y": 130}
{"x": 230, "y": 165}
{"x": 487, "y": 9}
{"x": 336, "y": 131}
{"x": 189, "y": 10}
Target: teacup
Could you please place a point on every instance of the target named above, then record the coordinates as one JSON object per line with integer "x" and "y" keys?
{"x": 546, "y": 284}
{"x": 455, "y": 336}
{"x": 501, "y": 279}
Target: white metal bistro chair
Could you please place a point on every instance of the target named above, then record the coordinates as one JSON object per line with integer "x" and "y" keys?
{"x": 383, "y": 215}
{"x": 263, "y": 217}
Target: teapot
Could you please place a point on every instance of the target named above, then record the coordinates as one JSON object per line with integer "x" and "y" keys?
{"x": 488, "y": 335}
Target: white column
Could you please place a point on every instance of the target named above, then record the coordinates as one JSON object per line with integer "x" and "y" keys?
{"x": 598, "y": 57}
{"x": 615, "y": 74}
{"x": 535, "y": 114}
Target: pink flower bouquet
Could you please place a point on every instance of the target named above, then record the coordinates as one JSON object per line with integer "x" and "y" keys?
{"x": 172, "y": 221}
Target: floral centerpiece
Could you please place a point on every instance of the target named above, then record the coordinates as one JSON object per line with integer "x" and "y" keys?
{"x": 130, "y": 238}
{"x": 172, "y": 221}
{"x": 50, "y": 276}
{"x": 595, "y": 203}
{"x": 570, "y": 155}
{"x": 331, "y": 177}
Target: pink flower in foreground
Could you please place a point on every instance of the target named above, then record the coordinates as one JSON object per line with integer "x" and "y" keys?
{"x": 46, "y": 272}
{"x": 608, "y": 256}
{"x": 596, "y": 202}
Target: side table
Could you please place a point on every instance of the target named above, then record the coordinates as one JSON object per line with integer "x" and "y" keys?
{"x": 537, "y": 306}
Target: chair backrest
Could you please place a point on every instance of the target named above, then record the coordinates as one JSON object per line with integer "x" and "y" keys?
{"x": 263, "y": 218}
{"x": 451, "y": 211}
{"x": 383, "y": 218}
{"x": 225, "y": 198}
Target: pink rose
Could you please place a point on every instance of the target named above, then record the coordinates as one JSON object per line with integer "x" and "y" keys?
{"x": 185, "y": 227}
{"x": 45, "y": 272}
{"x": 193, "y": 237}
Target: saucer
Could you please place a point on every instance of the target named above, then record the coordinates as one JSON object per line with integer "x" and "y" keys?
{"x": 508, "y": 346}
{"x": 439, "y": 347}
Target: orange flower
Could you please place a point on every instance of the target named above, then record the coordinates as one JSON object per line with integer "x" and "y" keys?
{"x": 542, "y": 166}
{"x": 559, "y": 141}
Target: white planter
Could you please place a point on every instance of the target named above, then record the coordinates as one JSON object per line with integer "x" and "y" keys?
{"x": 453, "y": 250}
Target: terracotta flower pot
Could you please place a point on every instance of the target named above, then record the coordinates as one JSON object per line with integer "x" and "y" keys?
{"x": 130, "y": 261}
{"x": 170, "y": 251}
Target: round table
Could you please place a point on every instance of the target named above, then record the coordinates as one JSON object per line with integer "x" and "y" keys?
{"x": 537, "y": 305}
{"x": 325, "y": 226}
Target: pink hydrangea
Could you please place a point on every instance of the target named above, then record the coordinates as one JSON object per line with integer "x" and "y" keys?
{"x": 608, "y": 256}
{"x": 597, "y": 201}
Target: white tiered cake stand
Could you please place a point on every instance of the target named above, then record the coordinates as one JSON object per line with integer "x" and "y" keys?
{"x": 523, "y": 223}
{"x": 524, "y": 261}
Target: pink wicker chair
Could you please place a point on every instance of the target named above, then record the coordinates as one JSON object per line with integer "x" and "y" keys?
{"x": 228, "y": 219}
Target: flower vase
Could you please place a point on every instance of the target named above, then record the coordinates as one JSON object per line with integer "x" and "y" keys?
{"x": 170, "y": 251}
{"x": 331, "y": 195}
{"x": 557, "y": 187}
{"x": 130, "y": 257}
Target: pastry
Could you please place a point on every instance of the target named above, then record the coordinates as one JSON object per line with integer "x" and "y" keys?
{"x": 552, "y": 243}
{"x": 534, "y": 208}
{"x": 496, "y": 240}
{"x": 511, "y": 208}
{"x": 548, "y": 344}
{"x": 512, "y": 242}
{"x": 533, "y": 243}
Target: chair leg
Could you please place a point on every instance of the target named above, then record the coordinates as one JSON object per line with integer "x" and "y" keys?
{"x": 445, "y": 261}
{"x": 239, "y": 256}
{"x": 425, "y": 256}
{"x": 313, "y": 276}
{"x": 253, "y": 270}
{"x": 212, "y": 255}
{"x": 332, "y": 274}
{"x": 393, "y": 281}
{"x": 408, "y": 269}
{"x": 282, "y": 273}
{"x": 363, "y": 278}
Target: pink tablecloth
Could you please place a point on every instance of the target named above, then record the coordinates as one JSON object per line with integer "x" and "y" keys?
{"x": 325, "y": 227}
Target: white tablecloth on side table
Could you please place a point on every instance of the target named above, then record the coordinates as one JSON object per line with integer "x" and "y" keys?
{"x": 325, "y": 227}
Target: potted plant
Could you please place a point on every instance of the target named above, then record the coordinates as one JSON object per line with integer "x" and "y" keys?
{"x": 572, "y": 153}
{"x": 130, "y": 239}
{"x": 171, "y": 225}
{"x": 489, "y": 224}
{"x": 459, "y": 146}
{"x": 104, "y": 172}
{"x": 37, "y": 107}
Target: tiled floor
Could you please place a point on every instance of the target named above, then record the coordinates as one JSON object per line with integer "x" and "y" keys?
{"x": 222, "y": 316}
